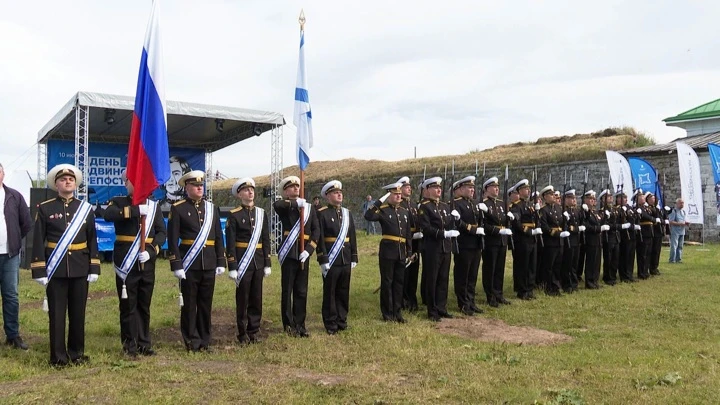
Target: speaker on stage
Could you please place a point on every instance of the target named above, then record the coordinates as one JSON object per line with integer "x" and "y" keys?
{"x": 37, "y": 195}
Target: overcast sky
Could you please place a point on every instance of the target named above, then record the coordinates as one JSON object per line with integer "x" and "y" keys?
{"x": 383, "y": 76}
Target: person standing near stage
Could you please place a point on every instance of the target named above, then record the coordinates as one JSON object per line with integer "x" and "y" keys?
{"x": 197, "y": 255}
{"x": 395, "y": 249}
{"x": 135, "y": 269}
{"x": 294, "y": 265}
{"x": 678, "y": 224}
{"x": 646, "y": 221}
{"x": 64, "y": 260}
{"x": 467, "y": 257}
{"x": 15, "y": 223}
{"x": 337, "y": 255}
{"x": 658, "y": 233}
{"x": 410, "y": 281}
{"x": 248, "y": 249}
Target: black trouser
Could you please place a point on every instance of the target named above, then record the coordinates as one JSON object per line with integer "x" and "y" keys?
{"x": 195, "y": 315}
{"x": 135, "y": 309}
{"x": 294, "y": 293}
{"x": 411, "y": 283}
{"x": 655, "y": 254}
{"x": 67, "y": 295}
{"x": 493, "y": 271}
{"x": 336, "y": 297}
{"x": 627, "y": 258}
{"x": 611, "y": 260}
{"x": 467, "y": 265}
{"x": 524, "y": 265}
{"x": 581, "y": 261}
{"x": 540, "y": 276}
{"x": 552, "y": 260}
{"x": 592, "y": 265}
{"x": 392, "y": 273}
{"x": 436, "y": 274}
{"x": 570, "y": 258}
{"x": 643, "y": 247}
{"x": 248, "y": 301}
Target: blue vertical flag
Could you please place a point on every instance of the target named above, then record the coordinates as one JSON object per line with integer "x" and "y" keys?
{"x": 645, "y": 177}
{"x": 302, "y": 118}
{"x": 715, "y": 160}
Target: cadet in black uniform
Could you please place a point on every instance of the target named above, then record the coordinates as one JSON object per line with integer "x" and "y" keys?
{"x": 658, "y": 233}
{"x": 197, "y": 279}
{"x": 77, "y": 263}
{"x": 294, "y": 266}
{"x": 395, "y": 249}
{"x": 646, "y": 221}
{"x": 467, "y": 258}
{"x": 336, "y": 264}
{"x": 496, "y": 234}
{"x": 139, "y": 282}
{"x": 437, "y": 224}
{"x": 551, "y": 222}
{"x": 627, "y": 237}
{"x": 611, "y": 239}
{"x": 592, "y": 220}
{"x": 410, "y": 282}
{"x": 571, "y": 251}
{"x": 248, "y": 251}
{"x": 525, "y": 234}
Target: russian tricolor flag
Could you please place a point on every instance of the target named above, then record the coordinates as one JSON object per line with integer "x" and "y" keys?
{"x": 148, "y": 164}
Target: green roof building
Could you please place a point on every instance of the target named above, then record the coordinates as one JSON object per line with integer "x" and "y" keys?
{"x": 701, "y": 120}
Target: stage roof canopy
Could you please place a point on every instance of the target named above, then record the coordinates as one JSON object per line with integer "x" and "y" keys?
{"x": 190, "y": 125}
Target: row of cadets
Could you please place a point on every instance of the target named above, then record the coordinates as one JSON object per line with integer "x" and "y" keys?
{"x": 64, "y": 261}
{"x": 337, "y": 255}
{"x": 197, "y": 255}
{"x": 135, "y": 269}
{"x": 248, "y": 248}
{"x": 395, "y": 250}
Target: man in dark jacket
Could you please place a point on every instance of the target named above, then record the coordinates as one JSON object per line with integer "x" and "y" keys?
{"x": 14, "y": 225}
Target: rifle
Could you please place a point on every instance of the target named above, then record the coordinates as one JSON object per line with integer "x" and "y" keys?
{"x": 536, "y": 217}
{"x": 505, "y": 203}
{"x": 621, "y": 190}
{"x": 582, "y": 198}
{"x": 562, "y": 202}
{"x": 657, "y": 203}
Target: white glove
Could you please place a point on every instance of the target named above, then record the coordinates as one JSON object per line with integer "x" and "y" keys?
{"x": 418, "y": 235}
{"x": 581, "y": 228}
{"x": 667, "y": 222}
{"x": 626, "y": 225}
{"x": 645, "y": 205}
{"x": 143, "y": 209}
{"x": 301, "y": 202}
{"x": 537, "y": 206}
{"x": 451, "y": 234}
{"x": 383, "y": 198}
{"x": 219, "y": 270}
{"x": 482, "y": 207}
{"x": 267, "y": 271}
{"x": 667, "y": 208}
{"x": 585, "y": 207}
{"x": 180, "y": 274}
{"x": 604, "y": 228}
{"x": 480, "y": 231}
{"x": 506, "y": 231}
{"x": 510, "y": 215}
{"x": 637, "y": 227}
{"x": 624, "y": 208}
{"x": 607, "y": 213}
{"x": 564, "y": 234}
{"x": 639, "y": 211}
{"x": 303, "y": 256}
{"x": 143, "y": 257}
{"x": 455, "y": 214}
{"x": 43, "y": 281}
{"x": 352, "y": 265}
{"x": 566, "y": 215}
{"x": 326, "y": 266}
{"x": 537, "y": 231}
{"x": 233, "y": 274}
{"x": 92, "y": 278}
{"x": 658, "y": 220}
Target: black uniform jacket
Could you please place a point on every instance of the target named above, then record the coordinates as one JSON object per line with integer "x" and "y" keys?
{"x": 330, "y": 220}
{"x": 495, "y": 220}
{"x": 184, "y": 222}
{"x": 289, "y": 213}
{"x": 126, "y": 218}
{"x": 51, "y": 220}
{"x": 551, "y": 223}
{"x": 239, "y": 229}
{"x": 524, "y": 222}
{"x": 396, "y": 243}
{"x": 592, "y": 221}
{"x": 434, "y": 219}
{"x": 573, "y": 223}
{"x": 469, "y": 222}
{"x": 646, "y": 219}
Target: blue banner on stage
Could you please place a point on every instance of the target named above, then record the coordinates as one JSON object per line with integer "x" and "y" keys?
{"x": 645, "y": 177}
{"x": 106, "y": 234}
{"x": 107, "y": 161}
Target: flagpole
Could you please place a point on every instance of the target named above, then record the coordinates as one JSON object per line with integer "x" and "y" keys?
{"x": 301, "y": 20}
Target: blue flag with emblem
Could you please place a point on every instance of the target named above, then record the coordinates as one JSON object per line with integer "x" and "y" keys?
{"x": 645, "y": 177}
{"x": 302, "y": 117}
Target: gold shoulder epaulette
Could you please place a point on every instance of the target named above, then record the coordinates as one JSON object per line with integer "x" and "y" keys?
{"x": 322, "y": 208}
{"x": 425, "y": 202}
{"x": 384, "y": 206}
{"x": 45, "y": 202}
{"x": 178, "y": 203}
{"x": 234, "y": 210}
{"x": 458, "y": 198}
{"x": 485, "y": 199}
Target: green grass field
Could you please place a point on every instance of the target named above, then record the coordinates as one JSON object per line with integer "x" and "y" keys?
{"x": 656, "y": 341}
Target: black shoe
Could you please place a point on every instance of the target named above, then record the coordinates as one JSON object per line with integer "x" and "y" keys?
{"x": 524, "y": 296}
{"x": 131, "y": 355}
{"x": 400, "y": 319}
{"x": 388, "y": 318}
{"x": 412, "y": 308}
{"x": 477, "y": 310}
{"x": 292, "y": 332}
{"x": 467, "y": 311}
{"x": 81, "y": 360}
{"x": 254, "y": 338}
{"x": 434, "y": 318}
{"x": 446, "y": 315}
{"x": 644, "y": 277}
{"x": 654, "y": 272}
{"x": 243, "y": 340}
{"x": 531, "y": 295}
{"x": 503, "y": 301}
{"x": 332, "y": 332}
{"x": 58, "y": 364}
{"x": 610, "y": 283}
{"x": 17, "y": 343}
{"x": 342, "y": 328}
{"x": 493, "y": 303}
{"x": 302, "y": 332}
{"x": 553, "y": 293}
{"x": 146, "y": 351}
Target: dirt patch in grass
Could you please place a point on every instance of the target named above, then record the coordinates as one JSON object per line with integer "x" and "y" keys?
{"x": 277, "y": 374}
{"x": 494, "y": 330}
